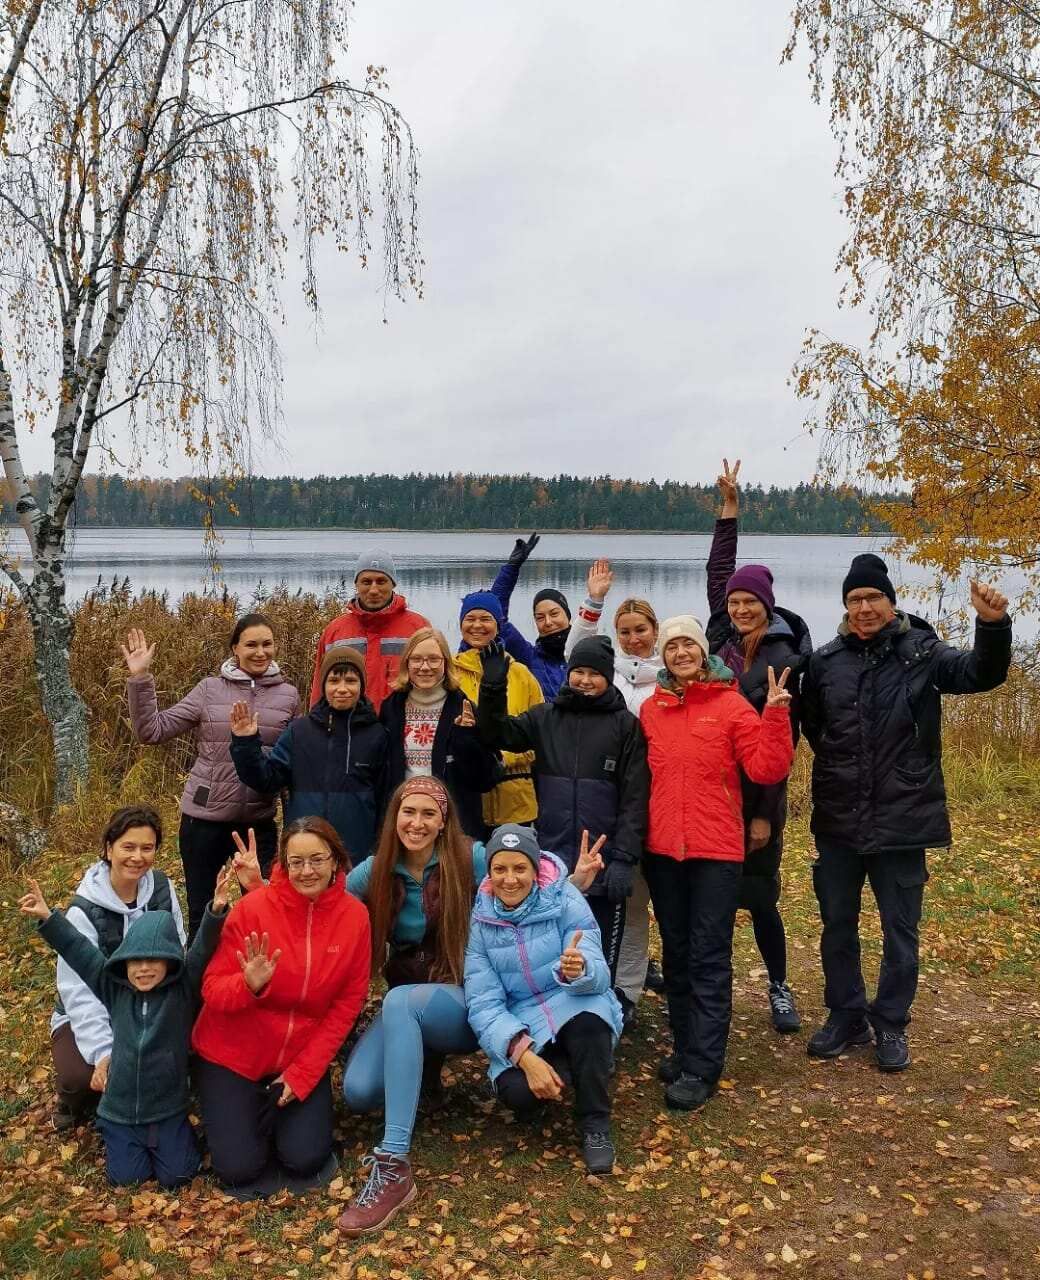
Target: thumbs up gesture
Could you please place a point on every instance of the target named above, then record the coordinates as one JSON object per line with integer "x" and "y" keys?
{"x": 572, "y": 962}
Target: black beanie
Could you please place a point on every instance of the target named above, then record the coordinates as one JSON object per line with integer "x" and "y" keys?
{"x": 868, "y": 571}
{"x": 557, "y": 597}
{"x": 595, "y": 652}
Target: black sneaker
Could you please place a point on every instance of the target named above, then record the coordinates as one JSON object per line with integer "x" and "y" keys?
{"x": 892, "y": 1051}
{"x": 654, "y": 980}
{"x": 62, "y": 1119}
{"x": 669, "y": 1071}
{"x": 687, "y": 1093}
{"x": 782, "y": 1009}
{"x": 598, "y": 1151}
{"x": 628, "y": 1009}
{"x": 836, "y": 1035}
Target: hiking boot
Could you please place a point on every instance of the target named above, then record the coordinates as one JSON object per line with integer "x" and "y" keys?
{"x": 688, "y": 1092}
{"x": 782, "y": 1009}
{"x": 63, "y": 1119}
{"x": 654, "y": 980}
{"x": 389, "y": 1188}
{"x": 892, "y": 1051}
{"x": 836, "y": 1035}
{"x": 669, "y": 1071}
{"x": 598, "y": 1151}
{"x": 628, "y": 1009}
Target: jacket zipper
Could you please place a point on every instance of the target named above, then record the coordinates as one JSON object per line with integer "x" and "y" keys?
{"x": 328, "y": 769}
{"x": 137, "y": 1082}
{"x": 303, "y": 990}
{"x": 575, "y": 837}
{"x": 536, "y": 991}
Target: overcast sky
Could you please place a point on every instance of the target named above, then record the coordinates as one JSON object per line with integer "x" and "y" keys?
{"x": 629, "y": 219}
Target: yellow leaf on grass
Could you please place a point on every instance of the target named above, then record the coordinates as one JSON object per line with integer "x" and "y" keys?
{"x": 788, "y": 1254}
{"x": 640, "y": 1265}
{"x": 768, "y": 1179}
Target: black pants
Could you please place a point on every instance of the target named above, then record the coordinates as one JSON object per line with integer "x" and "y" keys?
{"x": 897, "y": 878}
{"x": 583, "y": 1050}
{"x": 695, "y": 903}
{"x": 248, "y": 1133}
{"x": 610, "y": 916}
{"x": 760, "y": 895}
{"x": 205, "y": 847}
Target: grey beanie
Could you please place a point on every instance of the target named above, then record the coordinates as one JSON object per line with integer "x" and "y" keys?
{"x": 376, "y": 560}
{"x": 513, "y": 838}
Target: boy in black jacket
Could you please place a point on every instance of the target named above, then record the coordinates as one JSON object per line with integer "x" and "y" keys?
{"x": 151, "y": 991}
{"x": 591, "y": 772}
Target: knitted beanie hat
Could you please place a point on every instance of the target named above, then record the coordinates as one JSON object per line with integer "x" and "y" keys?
{"x": 683, "y": 624}
{"x": 557, "y": 597}
{"x": 868, "y": 571}
{"x": 376, "y": 560}
{"x": 755, "y": 579}
{"x": 485, "y": 600}
{"x": 512, "y": 837}
{"x": 342, "y": 655}
{"x": 595, "y": 652}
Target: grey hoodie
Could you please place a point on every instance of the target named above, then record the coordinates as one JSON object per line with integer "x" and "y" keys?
{"x": 89, "y": 1017}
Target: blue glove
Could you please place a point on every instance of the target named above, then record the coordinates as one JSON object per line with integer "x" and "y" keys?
{"x": 618, "y": 878}
{"x": 521, "y": 549}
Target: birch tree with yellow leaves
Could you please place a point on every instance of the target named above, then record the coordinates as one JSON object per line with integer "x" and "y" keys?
{"x": 935, "y": 105}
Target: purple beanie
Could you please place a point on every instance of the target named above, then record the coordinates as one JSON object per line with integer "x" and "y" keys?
{"x": 756, "y": 579}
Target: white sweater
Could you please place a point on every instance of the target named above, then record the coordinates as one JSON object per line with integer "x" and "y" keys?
{"x": 635, "y": 677}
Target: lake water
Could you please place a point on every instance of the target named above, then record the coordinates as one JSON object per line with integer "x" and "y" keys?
{"x": 435, "y": 569}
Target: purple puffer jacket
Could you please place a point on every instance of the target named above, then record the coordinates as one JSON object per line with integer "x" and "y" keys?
{"x": 213, "y": 790}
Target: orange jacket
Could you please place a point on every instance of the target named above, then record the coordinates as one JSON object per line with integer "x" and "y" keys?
{"x": 298, "y": 1023}
{"x": 697, "y": 743}
{"x": 379, "y": 634}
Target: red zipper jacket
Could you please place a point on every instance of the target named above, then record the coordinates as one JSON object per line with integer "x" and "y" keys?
{"x": 380, "y": 635}
{"x": 696, "y": 741}
{"x": 298, "y": 1023}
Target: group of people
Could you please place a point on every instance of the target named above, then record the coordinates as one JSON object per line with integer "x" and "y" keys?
{"x": 487, "y": 831}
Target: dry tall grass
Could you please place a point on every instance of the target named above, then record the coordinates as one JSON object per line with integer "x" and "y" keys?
{"x": 993, "y": 740}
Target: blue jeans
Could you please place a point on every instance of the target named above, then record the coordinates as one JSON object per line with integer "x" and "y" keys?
{"x": 385, "y": 1068}
{"x": 165, "y": 1150}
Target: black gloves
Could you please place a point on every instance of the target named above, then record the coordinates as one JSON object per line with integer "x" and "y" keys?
{"x": 618, "y": 878}
{"x": 495, "y": 662}
{"x": 521, "y": 549}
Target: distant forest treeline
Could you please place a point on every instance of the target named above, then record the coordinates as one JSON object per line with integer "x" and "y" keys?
{"x": 461, "y": 502}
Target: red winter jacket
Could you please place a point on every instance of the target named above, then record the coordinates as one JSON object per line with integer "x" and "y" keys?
{"x": 379, "y": 634}
{"x": 696, "y": 741}
{"x": 298, "y": 1023}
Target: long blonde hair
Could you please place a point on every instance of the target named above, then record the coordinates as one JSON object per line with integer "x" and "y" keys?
{"x": 403, "y": 681}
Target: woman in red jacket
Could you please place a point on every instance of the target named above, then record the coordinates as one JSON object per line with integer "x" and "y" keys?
{"x": 700, "y": 732}
{"x": 279, "y": 998}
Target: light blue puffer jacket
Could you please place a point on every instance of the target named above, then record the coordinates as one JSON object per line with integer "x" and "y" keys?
{"x": 512, "y": 977}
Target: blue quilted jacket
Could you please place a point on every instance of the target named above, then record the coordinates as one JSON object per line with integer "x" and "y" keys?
{"x": 513, "y": 981}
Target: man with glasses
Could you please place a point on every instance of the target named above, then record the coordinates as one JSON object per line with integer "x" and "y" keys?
{"x": 871, "y": 709}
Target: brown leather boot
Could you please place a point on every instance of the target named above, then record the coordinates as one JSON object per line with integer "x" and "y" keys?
{"x": 389, "y": 1188}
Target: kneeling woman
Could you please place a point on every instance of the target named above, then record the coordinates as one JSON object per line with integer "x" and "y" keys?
{"x": 285, "y": 987}
{"x": 538, "y": 989}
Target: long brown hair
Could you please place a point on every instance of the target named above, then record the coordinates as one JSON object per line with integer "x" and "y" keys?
{"x": 752, "y": 642}
{"x": 454, "y": 852}
{"x": 403, "y": 680}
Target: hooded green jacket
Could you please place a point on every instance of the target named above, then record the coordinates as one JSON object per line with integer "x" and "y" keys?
{"x": 148, "y": 1074}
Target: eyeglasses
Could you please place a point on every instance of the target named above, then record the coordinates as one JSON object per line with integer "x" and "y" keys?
{"x": 864, "y": 602}
{"x": 426, "y": 662}
{"x": 318, "y": 863}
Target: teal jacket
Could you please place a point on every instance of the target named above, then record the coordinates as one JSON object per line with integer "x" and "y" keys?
{"x": 148, "y": 1074}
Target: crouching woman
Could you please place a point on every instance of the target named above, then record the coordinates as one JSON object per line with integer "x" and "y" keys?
{"x": 538, "y": 989}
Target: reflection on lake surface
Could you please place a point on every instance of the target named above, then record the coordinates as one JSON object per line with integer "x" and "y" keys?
{"x": 436, "y": 569}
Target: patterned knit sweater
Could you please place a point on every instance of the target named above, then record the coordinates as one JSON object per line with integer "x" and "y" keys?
{"x": 422, "y": 714}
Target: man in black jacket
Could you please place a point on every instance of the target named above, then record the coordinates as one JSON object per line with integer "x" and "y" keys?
{"x": 591, "y": 772}
{"x": 871, "y": 708}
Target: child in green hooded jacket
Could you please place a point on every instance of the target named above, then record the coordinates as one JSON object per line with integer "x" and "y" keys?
{"x": 151, "y": 991}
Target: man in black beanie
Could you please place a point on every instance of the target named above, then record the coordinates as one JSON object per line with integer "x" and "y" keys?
{"x": 871, "y": 709}
{"x": 590, "y": 769}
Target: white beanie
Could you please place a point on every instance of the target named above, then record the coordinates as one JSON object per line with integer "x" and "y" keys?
{"x": 683, "y": 624}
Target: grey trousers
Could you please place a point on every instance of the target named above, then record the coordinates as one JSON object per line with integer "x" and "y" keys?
{"x": 631, "y": 968}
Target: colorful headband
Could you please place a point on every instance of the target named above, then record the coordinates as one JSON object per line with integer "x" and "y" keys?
{"x": 428, "y": 787}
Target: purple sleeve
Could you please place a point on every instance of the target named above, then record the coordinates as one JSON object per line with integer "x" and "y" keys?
{"x": 152, "y": 725}
{"x": 722, "y": 561}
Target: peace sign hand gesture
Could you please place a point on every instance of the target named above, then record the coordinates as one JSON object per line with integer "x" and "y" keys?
{"x": 778, "y": 696}
{"x": 33, "y": 903}
{"x": 988, "y": 602}
{"x": 257, "y": 966}
{"x": 727, "y": 483}
{"x": 137, "y": 652}
{"x": 589, "y": 863}
{"x": 572, "y": 962}
{"x": 245, "y": 862}
{"x": 243, "y": 724}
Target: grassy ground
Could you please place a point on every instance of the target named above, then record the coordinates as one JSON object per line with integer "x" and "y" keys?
{"x": 826, "y": 1170}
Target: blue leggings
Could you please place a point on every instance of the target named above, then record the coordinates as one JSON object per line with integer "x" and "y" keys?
{"x": 385, "y": 1069}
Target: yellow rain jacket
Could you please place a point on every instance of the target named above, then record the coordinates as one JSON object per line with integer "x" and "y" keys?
{"x": 512, "y": 800}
